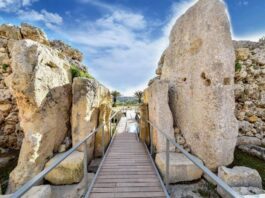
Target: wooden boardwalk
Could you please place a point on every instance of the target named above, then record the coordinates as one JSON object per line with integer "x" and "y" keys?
{"x": 127, "y": 170}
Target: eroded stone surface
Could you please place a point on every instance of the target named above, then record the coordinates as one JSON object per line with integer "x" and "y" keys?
{"x": 199, "y": 66}
{"x": 43, "y": 96}
{"x": 156, "y": 95}
{"x": 69, "y": 171}
{"x": 180, "y": 168}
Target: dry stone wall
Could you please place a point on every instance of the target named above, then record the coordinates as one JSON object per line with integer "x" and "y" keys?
{"x": 250, "y": 91}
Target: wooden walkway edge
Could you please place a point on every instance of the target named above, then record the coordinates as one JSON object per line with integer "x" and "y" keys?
{"x": 127, "y": 170}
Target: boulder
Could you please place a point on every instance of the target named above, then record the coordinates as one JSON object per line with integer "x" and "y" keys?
{"x": 242, "y": 53}
{"x": 240, "y": 176}
{"x": 69, "y": 171}
{"x": 199, "y": 65}
{"x": 159, "y": 113}
{"x": 41, "y": 86}
{"x": 180, "y": 168}
{"x": 43, "y": 191}
{"x": 33, "y": 33}
{"x": 91, "y": 100}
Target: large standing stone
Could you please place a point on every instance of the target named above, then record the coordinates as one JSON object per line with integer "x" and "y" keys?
{"x": 104, "y": 116}
{"x": 156, "y": 96}
{"x": 69, "y": 171}
{"x": 199, "y": 66}
{"x": 144, "y": 127}
{"x": 90, "y": 101}
{"x": 41, "y": 86}
{"x": 180, "y": 167}
{"x": 84, "y": 117}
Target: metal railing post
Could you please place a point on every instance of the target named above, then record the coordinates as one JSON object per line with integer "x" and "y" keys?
{"x": 85, "y": 163}
{"x": 103, "y": 141}
{"x": 167, "y": 164}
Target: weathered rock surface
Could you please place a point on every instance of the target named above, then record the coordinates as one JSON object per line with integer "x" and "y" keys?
{"x": 104, "y": 116}
{"x": 144, "y": 127}
{"x": 85, "y": 112}
{"x": 66, "y": 50}
{"x": 250, "y": 92}
{"x": 199, "y": 66}
{"x": 240, "y": 176}
{"x": 33, "y": 33}
{"x": 254, "y": 150}
{"x": 200, "y": 189}
{"x": 72, "y": 191}
{"x": 156, "y": 95}
{"x": 91, "y": 106}
{"x": 69, "y": 171}
{"x": 40, "y": 83}
{"x": 245, "y": 140}
{"x": 43, "y": 191}
{"x": 180, "y": 168}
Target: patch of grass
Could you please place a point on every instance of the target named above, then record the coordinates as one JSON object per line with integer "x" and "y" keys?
{"x": 76, "y": 72}
{"x": 5, "y": 66}
{"x": 238, "y": 66}
{"x": 244, "y": 159}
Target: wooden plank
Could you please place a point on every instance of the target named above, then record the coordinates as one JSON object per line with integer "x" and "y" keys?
{"x": 125, "y": 194}
{"x": 127, "y": 171}
{"x": 128, "y": 189}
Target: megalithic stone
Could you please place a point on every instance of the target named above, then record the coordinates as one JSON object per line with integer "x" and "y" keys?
{"x": 199, "y": 66}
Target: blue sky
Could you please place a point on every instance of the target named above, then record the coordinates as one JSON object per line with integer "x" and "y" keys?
{"x": 122, "y": 40}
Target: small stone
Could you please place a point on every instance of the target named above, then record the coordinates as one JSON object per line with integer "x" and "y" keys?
{"x": 242, "y": 53}
{"x": 253, "y": 119}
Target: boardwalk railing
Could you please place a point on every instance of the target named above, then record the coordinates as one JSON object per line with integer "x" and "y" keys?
{"x": 42, "y": 174}
{"x": 207, "y": 171}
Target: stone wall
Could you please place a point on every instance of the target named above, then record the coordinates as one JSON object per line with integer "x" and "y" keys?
{"x": 250, "y": 91}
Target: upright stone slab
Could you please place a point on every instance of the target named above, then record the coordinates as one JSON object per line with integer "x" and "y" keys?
{"x": 85, "y": 112}
{"x": 41, "y": 86}
{"x": 144, "y": 127}
{"x": 91, "y": 106}
{"x": 156, "y": 96}
{"x": 199, "y": 65}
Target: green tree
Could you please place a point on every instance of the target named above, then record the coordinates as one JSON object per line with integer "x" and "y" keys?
{"x": 115, "y": 94}
{"x": 139, "y": 95}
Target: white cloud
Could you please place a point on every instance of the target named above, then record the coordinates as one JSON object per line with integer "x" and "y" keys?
{"x": 243, "y": 3}
{"x": 14, "y": 5}
{"x": 121, "y": 54}
{"x": 48, "y": 18}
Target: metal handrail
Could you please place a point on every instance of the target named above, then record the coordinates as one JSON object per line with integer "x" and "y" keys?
{"x": 207, "y": 171}
{"x": 42, "y": 174}
{"x": 99, "y": 167}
